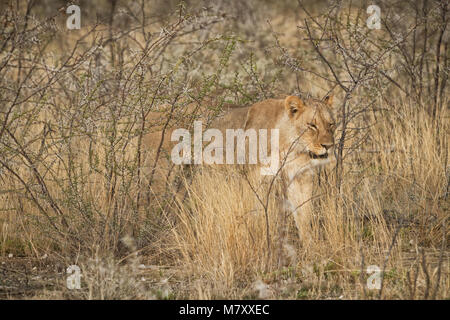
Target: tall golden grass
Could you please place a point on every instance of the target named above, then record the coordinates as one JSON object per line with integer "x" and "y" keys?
{"x": 91, "y": 203}
{"x": 390, "y": 204}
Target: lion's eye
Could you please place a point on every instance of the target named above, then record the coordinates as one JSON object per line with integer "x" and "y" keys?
{"x": 312, "y": 126}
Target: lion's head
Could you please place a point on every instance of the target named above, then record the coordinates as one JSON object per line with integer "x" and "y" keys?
{"x": 310, "y": 126}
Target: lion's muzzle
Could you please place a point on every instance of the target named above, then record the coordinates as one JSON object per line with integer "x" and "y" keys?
{"x": 315, "y": 156}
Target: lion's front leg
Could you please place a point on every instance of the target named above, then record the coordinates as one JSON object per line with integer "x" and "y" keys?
{"x": 299, "y": 194}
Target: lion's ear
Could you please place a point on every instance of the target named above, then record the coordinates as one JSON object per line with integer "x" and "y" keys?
{"x": 293, "y": 105}
{"x": 329, "y": 100}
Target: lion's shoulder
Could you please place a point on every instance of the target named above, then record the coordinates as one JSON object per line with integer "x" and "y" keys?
{"x": 232, "y": 117}
{"x": 264, "y": 114}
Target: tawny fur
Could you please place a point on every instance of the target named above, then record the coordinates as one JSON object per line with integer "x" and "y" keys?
{"x": 306, "y": 132}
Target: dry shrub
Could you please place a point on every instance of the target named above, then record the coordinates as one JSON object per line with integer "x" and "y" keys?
{"x": 75, "y": 177}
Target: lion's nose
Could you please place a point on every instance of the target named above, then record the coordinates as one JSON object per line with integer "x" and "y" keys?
{"x": 327, "y": 145}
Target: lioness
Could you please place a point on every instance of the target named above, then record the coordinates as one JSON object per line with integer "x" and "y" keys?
{"x": 306, "y": 140}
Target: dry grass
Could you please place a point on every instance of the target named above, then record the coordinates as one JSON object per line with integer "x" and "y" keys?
{"x": 389, "y": 207}
{"x": 76, "y": 186}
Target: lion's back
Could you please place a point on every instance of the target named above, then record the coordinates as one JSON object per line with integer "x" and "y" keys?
{"x": 232, "y": 118}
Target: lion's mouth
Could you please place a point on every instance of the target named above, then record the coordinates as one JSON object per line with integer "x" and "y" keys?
{"x": 315, "y": 156}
